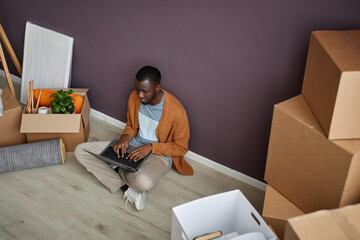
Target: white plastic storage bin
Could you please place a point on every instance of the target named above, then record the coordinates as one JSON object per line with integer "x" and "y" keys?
{"x": 228, "y": 212}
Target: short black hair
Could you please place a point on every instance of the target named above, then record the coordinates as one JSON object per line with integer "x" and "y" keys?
{"x": 149, "y": 73}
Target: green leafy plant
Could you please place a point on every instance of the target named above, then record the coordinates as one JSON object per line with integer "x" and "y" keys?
{"x": 62, "y": 102}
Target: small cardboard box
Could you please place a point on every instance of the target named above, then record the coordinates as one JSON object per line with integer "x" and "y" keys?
{"x": 72, "y": 128}
{"x": 277, "y": 209}
{"x": 228, "y": 212}
{"x": 10, "y": 121}
{"x": 332, "y": 82}
{"x": 310, "y": 170}
{"x": 342, "y": 223}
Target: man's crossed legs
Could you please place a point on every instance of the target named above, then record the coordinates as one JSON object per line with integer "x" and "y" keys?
{"x": 139, "y": 182}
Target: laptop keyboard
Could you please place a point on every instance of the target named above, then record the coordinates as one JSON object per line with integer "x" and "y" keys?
{"x": 109, "y": 153}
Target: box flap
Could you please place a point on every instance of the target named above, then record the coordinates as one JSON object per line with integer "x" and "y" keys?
{"x": 351, "y": 145}
{"x": 277, "y": 206}
{"x": 277, "y": 209}
{"x": 348, "y": 218}
{"x": 8, "y": 100}
{"x": 341, "y": 223}
{"x": 297, "y": 108}
{"x": 85, "y": 112}
{"x": 80, "y": 91}
{"x": 319, "y": 225}
{"x": 50, "y": 123}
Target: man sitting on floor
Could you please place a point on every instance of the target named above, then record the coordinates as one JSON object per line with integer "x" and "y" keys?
{"x": 157, "y": 124}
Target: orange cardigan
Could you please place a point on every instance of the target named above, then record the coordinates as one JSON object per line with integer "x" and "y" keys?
{"x": 173, "y": 131}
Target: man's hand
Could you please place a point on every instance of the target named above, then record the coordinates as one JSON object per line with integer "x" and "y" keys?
{"x": 140, "y": 152}
{"x": 121, "y": 145}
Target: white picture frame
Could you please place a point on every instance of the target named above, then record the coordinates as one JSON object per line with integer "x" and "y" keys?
{"x": 47, "y": 59}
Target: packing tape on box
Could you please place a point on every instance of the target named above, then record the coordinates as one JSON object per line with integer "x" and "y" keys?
{"x": 32, "y": 155}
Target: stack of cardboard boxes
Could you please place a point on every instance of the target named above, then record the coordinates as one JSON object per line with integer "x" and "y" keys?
{"x": 313, "y": 160}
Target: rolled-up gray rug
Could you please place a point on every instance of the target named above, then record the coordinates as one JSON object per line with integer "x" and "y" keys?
{"x": 32, "y": 155}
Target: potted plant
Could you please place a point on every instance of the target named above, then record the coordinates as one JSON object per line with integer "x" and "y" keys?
{"x": 62, "y": 102}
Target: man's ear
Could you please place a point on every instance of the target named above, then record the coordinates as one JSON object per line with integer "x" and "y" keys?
{"x": 158, "y": 87}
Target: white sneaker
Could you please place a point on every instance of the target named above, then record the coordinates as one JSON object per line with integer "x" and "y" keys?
{"x": 135, "y": 197}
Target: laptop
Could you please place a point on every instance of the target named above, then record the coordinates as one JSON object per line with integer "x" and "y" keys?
{"x": 108, "y": 155}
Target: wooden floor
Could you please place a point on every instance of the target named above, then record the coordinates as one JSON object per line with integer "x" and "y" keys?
{"x": 67, "y": 202}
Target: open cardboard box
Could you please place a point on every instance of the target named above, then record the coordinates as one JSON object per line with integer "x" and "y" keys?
{"x": 342, "y": 223}
{"x": 10, "y": 121}
{"x": 332, "y": 82}
{"x": 72, "y": 128}
{"x": 306, "y": 167}
{"x": 228, "y": 212}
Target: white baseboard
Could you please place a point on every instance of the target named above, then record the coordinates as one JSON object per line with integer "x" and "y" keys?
{"x": 107, "y": 118}
{"x": 226, "y": 170}
{"x": 14, "y": 78}
{"x": 193, "y": 156}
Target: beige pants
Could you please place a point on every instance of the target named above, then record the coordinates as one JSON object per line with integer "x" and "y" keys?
{"x": 144, "y": 179}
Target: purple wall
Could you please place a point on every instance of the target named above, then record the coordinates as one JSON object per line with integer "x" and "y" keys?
{"x": 228, "y": 61}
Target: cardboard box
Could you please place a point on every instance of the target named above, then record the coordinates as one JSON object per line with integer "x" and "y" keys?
{"x": 310, "y": 170}
{"x": 227, "y": 212}
{"x": 342, "y": 223}
{"x": 10, "y": 121}
{"x": 332, "y": 82}
{"x": 72, "y": 128}
{"x": 277, "y": 210}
